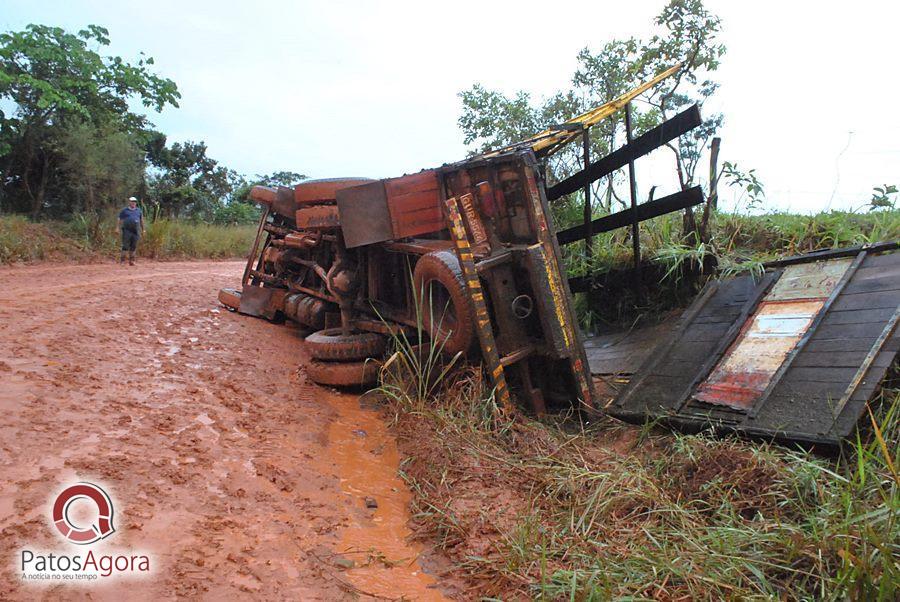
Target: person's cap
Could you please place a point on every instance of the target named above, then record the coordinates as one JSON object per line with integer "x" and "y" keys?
{"x": 131, "y": 198}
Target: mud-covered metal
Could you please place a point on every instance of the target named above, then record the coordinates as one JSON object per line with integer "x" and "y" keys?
{"x": 476, "y": 295}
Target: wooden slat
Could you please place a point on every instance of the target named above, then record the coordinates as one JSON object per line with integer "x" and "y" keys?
{"x": 867, "y": 300}
{"x": 859, "y": 316}
{"x": 640, "y": 146}
{"x": 837, "y": 359}
{"x": 668, "y": 204}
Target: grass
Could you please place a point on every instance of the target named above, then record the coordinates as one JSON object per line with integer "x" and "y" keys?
{"x": 22, "y": 240}
{"x": 737, "y": 244}
{"x": 737, "y": 239}
{"x": 561, "y": 510}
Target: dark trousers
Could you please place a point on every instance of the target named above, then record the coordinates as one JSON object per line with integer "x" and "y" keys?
{"x": 130, "y": 240}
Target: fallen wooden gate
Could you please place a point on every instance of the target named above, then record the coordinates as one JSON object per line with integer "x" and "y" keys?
{"x": 794, "y": 355}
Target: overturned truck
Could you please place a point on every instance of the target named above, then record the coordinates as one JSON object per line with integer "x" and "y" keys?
{"x": 468, "y": 254}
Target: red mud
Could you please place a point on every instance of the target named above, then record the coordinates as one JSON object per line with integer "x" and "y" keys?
{"x": 236, "y": 476}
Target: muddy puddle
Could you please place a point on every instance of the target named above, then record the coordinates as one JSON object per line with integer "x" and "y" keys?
{"x": 365, "y": 458}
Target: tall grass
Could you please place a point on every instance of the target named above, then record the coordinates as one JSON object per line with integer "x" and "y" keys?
{"x": 84, "y": 239}
{"x": 542, "y": 510}
{"x": 736, "y": 239}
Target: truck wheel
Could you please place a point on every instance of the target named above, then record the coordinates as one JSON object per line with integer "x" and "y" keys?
{"x": 330, "y": 344}
{"x": 343, "y": 374}
{"x": 447, "y": 313}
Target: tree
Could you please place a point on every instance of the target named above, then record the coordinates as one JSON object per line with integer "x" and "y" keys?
{"x": 53, "y": 78}
{"x": 186, "y": 181}
{"x": 101, "y": 165}
{"x": 688, "y": 34}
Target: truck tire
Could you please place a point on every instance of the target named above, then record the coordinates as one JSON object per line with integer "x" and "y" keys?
{"x": 447, "y": 312}
{"x": 330, "y": 344}
{"x": 343, "y": 374}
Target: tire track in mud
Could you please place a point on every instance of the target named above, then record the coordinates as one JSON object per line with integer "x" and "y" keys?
{"x": 214, "y": 449}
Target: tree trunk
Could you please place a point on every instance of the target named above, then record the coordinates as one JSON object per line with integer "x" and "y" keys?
{"x": 37, "y": 199}
{"x": 713, "y": 199}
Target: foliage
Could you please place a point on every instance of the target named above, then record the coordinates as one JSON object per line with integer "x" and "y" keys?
{"x": 688, "y": 34}
{"x": 883, "y": 197}
{"x": 554, "y": 509}
{"x": 748, "y": 182}
{"x": 56, "y": 81}
{"x": 738, "y": 243}
{"x": 186, "y": 181}
{"x": 100, "y": 165}
{"x": 73, "y": 149}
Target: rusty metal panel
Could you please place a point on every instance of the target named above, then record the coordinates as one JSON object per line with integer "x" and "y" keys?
{"x": 261, "y": 301}
{"x": 284, "y": 202}
{"x": 808, "y": 280}
{"x": 365, "y": 218}
{"x": 766, "y": 340}
{"x": 318, "y": 217}
{"x": 391, "y": 209}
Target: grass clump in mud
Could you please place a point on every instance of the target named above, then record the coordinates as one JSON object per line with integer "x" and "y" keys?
{"x": 559, "y": 509}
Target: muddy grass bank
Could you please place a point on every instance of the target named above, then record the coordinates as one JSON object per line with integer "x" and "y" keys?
{"x": 565, "y": 509}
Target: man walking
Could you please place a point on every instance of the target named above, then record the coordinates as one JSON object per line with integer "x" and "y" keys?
{"x": 131, "y": 226}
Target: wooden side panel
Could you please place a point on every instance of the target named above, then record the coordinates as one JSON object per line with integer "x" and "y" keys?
{"x": 313, "y": 192}
{"x": 808, "y": 396}
{"x": 676, "y": 364}
{"x": 414, "y": 203}
{"x": 821, "y": 394}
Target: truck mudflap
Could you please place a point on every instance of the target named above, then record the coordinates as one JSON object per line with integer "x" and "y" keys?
{"x": 262, "y": 302}
{"x": 796, "y": 355}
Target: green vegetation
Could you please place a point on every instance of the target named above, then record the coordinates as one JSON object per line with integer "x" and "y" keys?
{"x": 686, "y": 33}
{"x": 22, "y": 240}
{"x": 738, "y": 241}
{"x": 555, "y": 510}
{"x": 72, "y": 147}
{"x": 560, "y": 508}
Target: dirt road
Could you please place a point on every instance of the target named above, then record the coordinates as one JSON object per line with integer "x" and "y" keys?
{"x": 230, "y": 471}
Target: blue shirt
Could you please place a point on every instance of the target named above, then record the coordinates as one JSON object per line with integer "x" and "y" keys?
{"x": 131, "y": 217}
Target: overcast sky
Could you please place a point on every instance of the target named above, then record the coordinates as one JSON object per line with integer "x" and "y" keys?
{"x": 809, "y": 89}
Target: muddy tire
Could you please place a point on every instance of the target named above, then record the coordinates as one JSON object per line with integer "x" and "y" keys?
{"x": 330, "y": 344}
{"x": 447, "y": 313}
{"x": 343, "y": 374}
